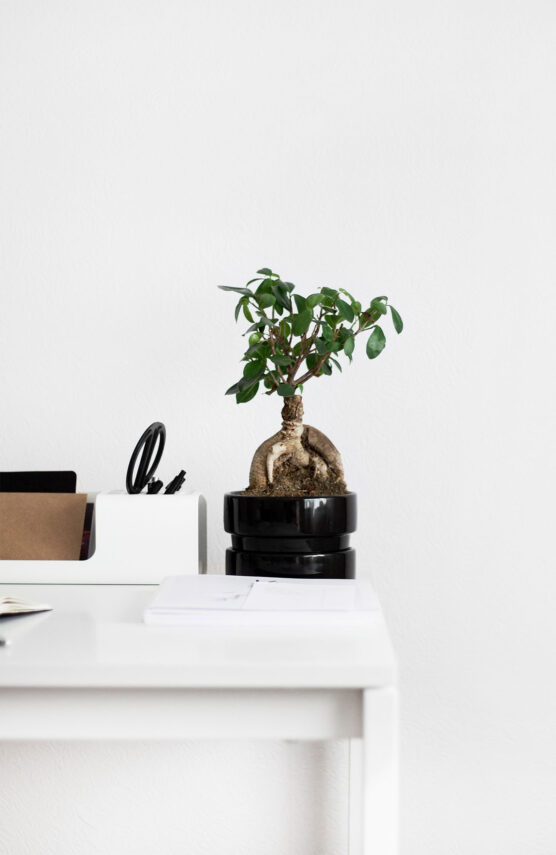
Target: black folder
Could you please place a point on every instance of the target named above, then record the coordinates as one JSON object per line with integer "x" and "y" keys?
{"x": 38, "y": 482}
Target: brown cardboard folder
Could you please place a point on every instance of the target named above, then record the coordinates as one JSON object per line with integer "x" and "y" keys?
{"x": 41, "y": 525}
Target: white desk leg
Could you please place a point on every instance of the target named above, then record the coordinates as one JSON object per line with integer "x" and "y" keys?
{"x": 380, "y": 773}
{"x": 355, "y": 804}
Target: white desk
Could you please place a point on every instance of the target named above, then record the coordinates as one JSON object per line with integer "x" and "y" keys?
{"x": 92, "y": 670}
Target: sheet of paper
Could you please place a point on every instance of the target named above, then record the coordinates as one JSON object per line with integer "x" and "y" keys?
{"x": 202, "y": 592}
{"x": 275, "y": 595}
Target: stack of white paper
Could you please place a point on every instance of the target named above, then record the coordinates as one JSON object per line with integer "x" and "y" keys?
{"x": 253, "y": 601}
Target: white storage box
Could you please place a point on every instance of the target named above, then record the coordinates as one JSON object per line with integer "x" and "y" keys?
{"x": 139, "y": 539}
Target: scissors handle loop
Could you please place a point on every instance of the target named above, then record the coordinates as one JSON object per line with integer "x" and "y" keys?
{"x": 148, "y": 448}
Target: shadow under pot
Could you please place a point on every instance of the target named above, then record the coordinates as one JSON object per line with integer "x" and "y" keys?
{"x": 290, "y": 537}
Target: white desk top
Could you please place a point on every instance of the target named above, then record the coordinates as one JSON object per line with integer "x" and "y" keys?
{"x": 95, "y": 637}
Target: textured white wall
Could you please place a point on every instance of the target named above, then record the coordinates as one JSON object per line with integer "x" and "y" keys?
{"x": 150, "y": 151}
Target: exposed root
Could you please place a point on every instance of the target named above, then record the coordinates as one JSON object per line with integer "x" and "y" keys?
{"x": 298, "y": 460}
{"x": 280, "y": 451}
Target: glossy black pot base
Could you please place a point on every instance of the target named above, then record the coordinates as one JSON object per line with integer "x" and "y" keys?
{"x": 305, "y": 537}
{"x": 289, "y": 565}
{"x": 290, "y": 544}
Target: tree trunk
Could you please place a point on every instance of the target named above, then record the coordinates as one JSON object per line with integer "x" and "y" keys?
{"x": 284, "y": 461}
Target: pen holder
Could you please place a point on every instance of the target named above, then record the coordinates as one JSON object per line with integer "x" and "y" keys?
{"x": 140, "y": 539}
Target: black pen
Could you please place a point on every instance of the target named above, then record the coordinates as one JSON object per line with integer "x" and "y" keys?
{"x": 176, "y": 483}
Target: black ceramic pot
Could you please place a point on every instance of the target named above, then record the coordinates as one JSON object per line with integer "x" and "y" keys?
{"x": 290, "y": 537}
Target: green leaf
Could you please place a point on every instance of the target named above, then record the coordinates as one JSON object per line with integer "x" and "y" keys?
{"x": 302, "y": 322}
{"x": 233, "y": 390}
{"x": 336, "y": 363}
{"x": 282, "y": 297}
{"x": 266, "y": 271}
{"x": 256, "y": 279}
{"x": 285, "y": 329}
{"x": 300, "y": 302}
{"x": 265, "y": 300}
{"x": 326, "y": 368}
{"x": 329, "y": 292}
{"x": 247, "y": 313}
{"x": 375, "y": 343}
{"x": 356, "y": 306}
{"x": 311, "y": 361}
{"x": 247, "y": 394}
{"x": 378, "y": 305}
{"x": 265, "y": 286}
{"x": 396, "y": 320}
{"x": 322, "y": 346}
{"x": 345, "y": 310}
{"x": 238, "y": 310}
{"x": 289, "y": 286}
{"x": 259, "y": 325}
{"x": 332, "y": 320}
{"x": 314, "y": 300}
{"x": 327, "y": 332}
{"x": 351, "y": 297}
{"x": 254, "y": 369}
{"x": 285, "y": 390}
{"x": 282, "y": 361}
{"x": 349, "y": 346}
{"x": 245, "y": 291}
{"x": 261, "y": 349}
{"x": 246, "y": 382}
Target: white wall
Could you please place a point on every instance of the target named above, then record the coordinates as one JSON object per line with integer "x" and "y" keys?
{"x": 150, "y": 151}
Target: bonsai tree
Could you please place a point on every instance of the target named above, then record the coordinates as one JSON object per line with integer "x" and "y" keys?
{"x": 294, "y": 339}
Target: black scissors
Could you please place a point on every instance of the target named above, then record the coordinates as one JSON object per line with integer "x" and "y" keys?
{"x": 151, "y": 445}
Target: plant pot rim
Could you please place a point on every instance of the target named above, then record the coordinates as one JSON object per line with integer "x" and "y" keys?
{"x": 241, "y": 495}
{"x": 290, "y": 516}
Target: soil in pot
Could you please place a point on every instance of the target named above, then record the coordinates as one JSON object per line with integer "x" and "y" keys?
{"x": 298, "y": 483}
